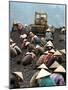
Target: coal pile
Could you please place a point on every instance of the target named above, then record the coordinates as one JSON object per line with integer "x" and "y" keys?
{"x": 29, "y": 70}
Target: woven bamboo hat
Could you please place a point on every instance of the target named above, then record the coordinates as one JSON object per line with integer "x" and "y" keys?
{"x": 37, "y": 46}
{"x": 49, "y": 43}
{"x": 49, "y": 30}
{"x": 23, "y": 36}
{"x": 24, "y": 40}
{"x": 43, "y": 73}
{"x": 27, "y": 43}
{"x": 46, "y": 52}
{"x": 60, "y": 69}
{"x": 11, "y": 41}
{"x": 31, "y": 53}
{"x": 43, "y": 66}
{"x": 57, "y": 53}
{"x": 19, "y": 74}
{"x": 63, "y": 51}
{"x": 55, "y": 65}
{"x": 13, "y": 44}
{"x": 52, "y": 51}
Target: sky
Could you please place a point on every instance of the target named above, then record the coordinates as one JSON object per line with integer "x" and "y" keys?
{"x": 25, "y": 13}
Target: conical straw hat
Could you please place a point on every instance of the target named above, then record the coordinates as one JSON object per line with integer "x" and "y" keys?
{"x": 52, "y": 50}
{"x": 24, "y": 40}
{"x": 13, "y": 44}
{"x": 11, "y": 40}
{"x": 27, "y": 53}
{"x": 48, "y": 30}
{"x": 43, "y": 73}
{"x": 54, "y": 65}
{"x": 49, "y": 43}
{"x": 37, "y": 46}
{"x": 57, "y": 53}
{"x": 60, "y": 69}
{"x": 62, "y": 30}
{"x": 43, "y": 66}
{"x": 23, "y": 36}
{"x": 17, "y": 48}
{"x": 27, "y": 43}
{"x": 63, "y": 51}
{"x": 46, "y": 52}
{"x": 31, "y": 53}
{"x": 19, "y": 74}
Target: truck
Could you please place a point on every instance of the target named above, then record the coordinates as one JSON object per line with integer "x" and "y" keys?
{"x": 40, "y": 23}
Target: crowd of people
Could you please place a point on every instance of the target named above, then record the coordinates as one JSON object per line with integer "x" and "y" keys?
{"x": 39, "y": 50}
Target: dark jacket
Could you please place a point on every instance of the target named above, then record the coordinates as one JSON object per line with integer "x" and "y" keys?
{"x": 13, "y": 82}
{"x": 27, "y": 60}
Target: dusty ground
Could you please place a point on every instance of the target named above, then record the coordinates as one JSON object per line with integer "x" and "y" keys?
{"x": 29, "y": 70}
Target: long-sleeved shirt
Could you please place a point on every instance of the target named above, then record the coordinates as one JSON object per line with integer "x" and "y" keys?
{"x": 58, "y": 78}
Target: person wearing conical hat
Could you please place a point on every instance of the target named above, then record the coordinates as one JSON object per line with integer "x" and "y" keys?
{"x": 20, "y": 26}
{"x": 23, "y": 43}
{"x": 63, "y": 51}
{"x": 63, "y": 30}
{"x": 58, "y": 56}
{"x": 13, "y": 52}
{"x": 49, "y": 45}
{"x": 31, "y": 48}
{"x": 36, "y": 40}
{"x": 51, "y": 58}
{"x": 57, "y": 53}
{"x": 11, "y": 41}
{"x": 43, "y": 41}
{"x": 27, "y": 29}
{"x": 60, "y": 69}
{"x": 45, "y": 58}
{"x": 42, "y": 66}
{"x": 32, "y": 54}
{"x": 42, "y": 59}
{"x": 54, "y": 65}
{"x": 48, "y": 35}
{"x": 39, "y": 50}
{"x": 33, "y": 80}
{"x": 31, "y": 34}
{"x": 15, "y": 78}
{"x": 58, "y": 77}
{"x": 14, "y": 27}
{"x": 43, "y": 79}
{"x": 48, "y": 30}
{"x": 28, "y": 58}
{"x": 19, "y": 75}
{"x": 46, "y": 52}
{"x": 24, "y": 36}
{"x": 52, "y": 51}
{"x": 14, "y": 49}
{"x": 27, "y": 43}
{"x": 49, "y": 42}
{"x": 18, "y": 50}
